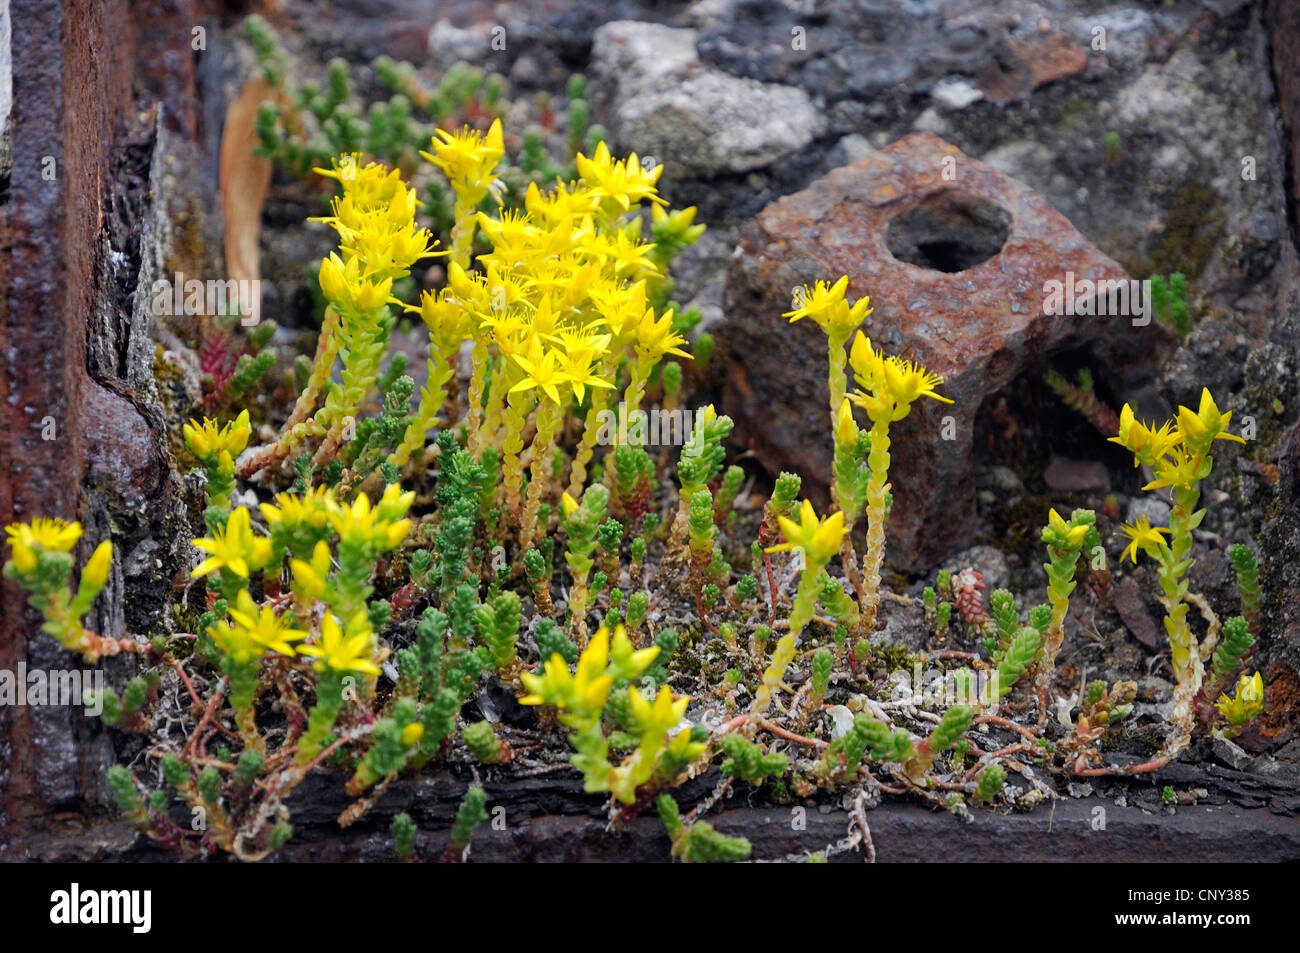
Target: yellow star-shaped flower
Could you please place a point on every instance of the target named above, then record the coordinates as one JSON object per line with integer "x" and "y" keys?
{"x": 206, "y": 440}
{"x": 233, "y": 547}
{"x": 50, "y": 535}
{"x": 819, "y": 539}
{"x": 1142, "y": 535}
{"x": 343, "y": 650}
{"x": 541, "y": 372}
{"x": 1206, "y": 425}
{"x": 264, "y": 628}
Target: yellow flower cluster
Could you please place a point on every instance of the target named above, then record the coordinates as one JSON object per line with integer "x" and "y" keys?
{"x": 561, "y": 295}
{"x": 580, "y": 699}
{"x": 583, "y": 694}
{"x": 379, "y": 241}
{"x": 378, "y": 236}
{"x": 469, "y": 161}
{"x": 233, "y": 548}
{"x": 559, "y": 303}
{"x": 236, "y": 548}
{"x": 41, "y": 563}
{"x": 40, "y": 535}
{"x": 1142, "y": 536}
{"x": 216, "y": 447}
{"x": 1062, "y": 533}
{"x": 888, "y": 386}
{"x": 1178, "y": 450}
{"x": 307, "y": 512}
{"x": 44, "y": 535}
{"x": 381, "y": 528}
{"x": 346, "y": 649}
{"x": 826, "y": 305}
{"x": 210, "y": 441}
{"x": 1248, "y": 703}
{"x": 818, "y": 539}
{"x": 302, "y": 524}
{"x": 251, "y": 633}
{"x": 620, "y": 184}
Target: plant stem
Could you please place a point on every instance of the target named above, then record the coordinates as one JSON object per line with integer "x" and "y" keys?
{"x": 549, "y": 417}
{"x": 877, "y": 492}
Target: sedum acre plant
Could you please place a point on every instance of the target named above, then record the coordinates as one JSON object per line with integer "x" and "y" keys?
{"x": 1178, "y": 451}
{"x": 395, "y": 554}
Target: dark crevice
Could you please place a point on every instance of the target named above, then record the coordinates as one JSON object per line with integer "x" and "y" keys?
{"x": 949, "y": 232}
{"x": 1272, "y": 35}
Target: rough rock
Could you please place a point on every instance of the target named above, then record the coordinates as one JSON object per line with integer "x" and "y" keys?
{"x": 1076, "y": 476}
{"x": 957, "y": 271}
{"x": 1132, "y": 608}
{"x": 449, "y": 43}
{"x": 1284, "y": 34}
{"x": 698, "y": 121}
{"x": 1153, "y": 508}
{"x": 892, "y": 47}
{"x": 988, "y": 562}
{"x": 1280, "y": 565}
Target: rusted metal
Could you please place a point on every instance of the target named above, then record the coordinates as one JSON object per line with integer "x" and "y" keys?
{"x": 70, "y": 87}
{"x": 76, "y": 438}
{"x": 956, "y": 257}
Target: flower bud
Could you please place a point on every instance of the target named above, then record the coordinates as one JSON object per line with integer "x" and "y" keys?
{"x": 846, "y": 431}
{"x": 412, "y": 734}
{"x": 24, "y": 557}
{"x": 332, "y": 281}
{"x": 96, "y": 572}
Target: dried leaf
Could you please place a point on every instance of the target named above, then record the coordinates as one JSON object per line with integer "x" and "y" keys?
{"x": 244, "y": 178}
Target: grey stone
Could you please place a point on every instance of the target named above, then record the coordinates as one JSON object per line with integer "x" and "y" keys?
{"x": 1024, "y": 159}
{"x": 526, "y": 71}
{"x": 1231, "y": 754}
{"x": 1003, "y": 478}
{"x": 1154, "y": 509}
{"x": 931, "y": 121}
{"x": 988, "y": 562}
{"x": 955, "y": 92}
{"x": 1161, "y": 100}
{"x": 630, "y": 56}
{"x": 1128, "y": 33}
{"x": 856, "y": 147}
{"x": 449, "y": 43}
{"x": 698, "y": 121}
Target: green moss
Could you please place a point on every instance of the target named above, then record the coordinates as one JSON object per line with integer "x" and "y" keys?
{"x": 1019, "y": 528}
{"x": 1193, "y": 224}
{"x": 894, "y": 658}
{"x": 1076, "y": 112}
